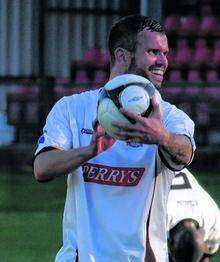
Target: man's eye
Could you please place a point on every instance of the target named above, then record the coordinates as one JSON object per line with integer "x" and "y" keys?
{"x": 154, "y": 51}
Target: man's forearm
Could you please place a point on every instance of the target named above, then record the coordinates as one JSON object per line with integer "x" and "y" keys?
{"x": 179, "y": 147}
{"x": 54, "y": 163}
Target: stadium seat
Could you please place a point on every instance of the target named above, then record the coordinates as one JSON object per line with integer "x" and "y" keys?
{"x": 105, "y": 57}
{"x": 183, "y": 53}
{"x": 31, "y": 112}
{"x": 27, "y": 89}
{"x": 201, "y": 53}
{"x": 216, "y": 53}
{"x": 194, "y": 76}
{"x": 172, "y": 23}
{"x": 208, "y": 25}
{"x": 61, "y": 87}
{"x": 212, "y": 76}
{"x": 188, "y": 25}
{"x": 175, "y": 76}
{"x": 93, "y": 55}
{"x": 171, "y": 57}
{"x": 212, "y": 92}
{"x": 100, "y": 77}
{"x": 81, "y": 77}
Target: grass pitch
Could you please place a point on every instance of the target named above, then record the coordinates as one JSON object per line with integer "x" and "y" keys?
{"x": 31, "y": 215}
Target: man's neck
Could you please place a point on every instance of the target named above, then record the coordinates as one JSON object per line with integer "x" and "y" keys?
{"x": 115, "y": 72}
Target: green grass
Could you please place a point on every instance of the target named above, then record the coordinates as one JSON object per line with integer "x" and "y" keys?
{"x": 31, "y": 215}
{"x": 29, "y": 236}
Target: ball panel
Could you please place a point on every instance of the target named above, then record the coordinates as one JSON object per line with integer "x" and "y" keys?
{"x": 108, "y": 112}
{"x": 125, "y": 79}
{"x": 135, "y": 98}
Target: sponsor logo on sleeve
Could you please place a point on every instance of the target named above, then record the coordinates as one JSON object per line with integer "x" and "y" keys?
{"x": 113, "y": 176}
{"x": 41, "y": 140}
{"x": 86, "y": 131}
{"x": 133, "y": 144}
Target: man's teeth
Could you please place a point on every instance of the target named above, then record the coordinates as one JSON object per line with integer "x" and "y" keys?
{"x": 158, "y": 72}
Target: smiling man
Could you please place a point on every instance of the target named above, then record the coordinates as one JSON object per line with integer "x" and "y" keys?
{"x": 116, "y": 200}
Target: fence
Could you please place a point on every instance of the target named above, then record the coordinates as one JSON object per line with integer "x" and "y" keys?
{"x": 27, "y": 111}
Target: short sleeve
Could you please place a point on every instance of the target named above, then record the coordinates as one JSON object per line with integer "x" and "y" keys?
{"x": 56, "y": 132}
{"x": 177, "y": 122}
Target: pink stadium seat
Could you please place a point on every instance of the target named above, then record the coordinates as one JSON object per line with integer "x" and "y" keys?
{"x": 24, "y": 89}
{"x": 183, "y": 53}
{"x": 31, "y": 112}
{"x": 175, "y": 76}
{"x": 212, "y": 76}
{"x": 105, "y": 57}
{"x": 27, "y": 89}
{"x": 100, "y": 77}
{"x": 81, "y": 77}
{"x": 212, "y": 92}
{"x": 216, "y": 53}
{"x": 61, "y": 87}
{"x": 172, "y": 23}
{"x": 208, "y": 25}
{"x": 171, "y": 57}
{"x": 188, "y": 25}
{"x": 193, "y": 76}
{"x": 202, "y": 53}
{"x": 93, "y": 55}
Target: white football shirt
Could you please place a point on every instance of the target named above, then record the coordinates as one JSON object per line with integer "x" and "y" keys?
{"x": 187, "y": 199}
{"x": 109, "y": 197}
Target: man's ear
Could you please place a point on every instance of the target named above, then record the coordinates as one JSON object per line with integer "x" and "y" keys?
{"x": 122, "y": 57}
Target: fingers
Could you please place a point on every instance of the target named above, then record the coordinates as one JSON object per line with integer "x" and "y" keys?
{"x": 134, "y": 116}
{"x": 156, "y": 106}
{"x": 95, "y": 124}
{"x": 125, "y": 131}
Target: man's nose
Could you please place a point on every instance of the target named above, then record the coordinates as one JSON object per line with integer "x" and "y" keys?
{"x": 162, "y": 60}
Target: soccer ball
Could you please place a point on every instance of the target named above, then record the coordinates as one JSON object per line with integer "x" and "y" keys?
{"x": 127, "y": 91}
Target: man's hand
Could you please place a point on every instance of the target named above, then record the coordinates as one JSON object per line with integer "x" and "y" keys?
{"x": 100, "y": 140}
{"x": 174, "y": 147}
{"x": 146, "y": 130}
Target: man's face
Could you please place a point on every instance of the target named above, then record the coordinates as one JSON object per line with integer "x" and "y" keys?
{"x": 150, "y": 58}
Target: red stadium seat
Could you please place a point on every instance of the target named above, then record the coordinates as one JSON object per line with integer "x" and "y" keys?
{"x": 93, "y": 55}
{"x": 188, "y": 25}
{"x": 194, "y": 76}
{"x": 208, "y": 25}
{"x": 183, "y": 53}
{"x": 81, "y": 77}
{"x": 212, "y": 76}
{"x": 105, "y": 57}
{"x": 100, "y": 77}
{"x": 172, "y": 23}
{"x": 216, "y": 53}
{"x": 202, "y": 53}
{"x": 175, "y": 76}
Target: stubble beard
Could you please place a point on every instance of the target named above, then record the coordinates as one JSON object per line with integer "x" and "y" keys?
{"x": 134, "y": 69}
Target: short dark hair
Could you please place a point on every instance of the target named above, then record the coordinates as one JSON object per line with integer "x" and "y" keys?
{"x": 183, "y": 244}
{"x": 124, "y": 32}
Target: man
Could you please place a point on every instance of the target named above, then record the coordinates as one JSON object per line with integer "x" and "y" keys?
{"x": 193, "y": 220}
{"x": 116, "y": 200}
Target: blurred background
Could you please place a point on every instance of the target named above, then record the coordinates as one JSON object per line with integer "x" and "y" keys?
{"x": 53, "y": 48}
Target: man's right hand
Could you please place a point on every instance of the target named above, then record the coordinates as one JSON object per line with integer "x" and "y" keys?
{"x": 100, "y": 140}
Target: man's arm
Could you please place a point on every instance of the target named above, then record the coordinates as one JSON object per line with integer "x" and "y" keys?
{"x": 179, "y": 147}
{"x": 151, "y": 131}
{"x": 55, "y": 163}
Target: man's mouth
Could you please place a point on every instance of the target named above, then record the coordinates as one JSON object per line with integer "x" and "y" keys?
{"x": 158, "y": 72}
